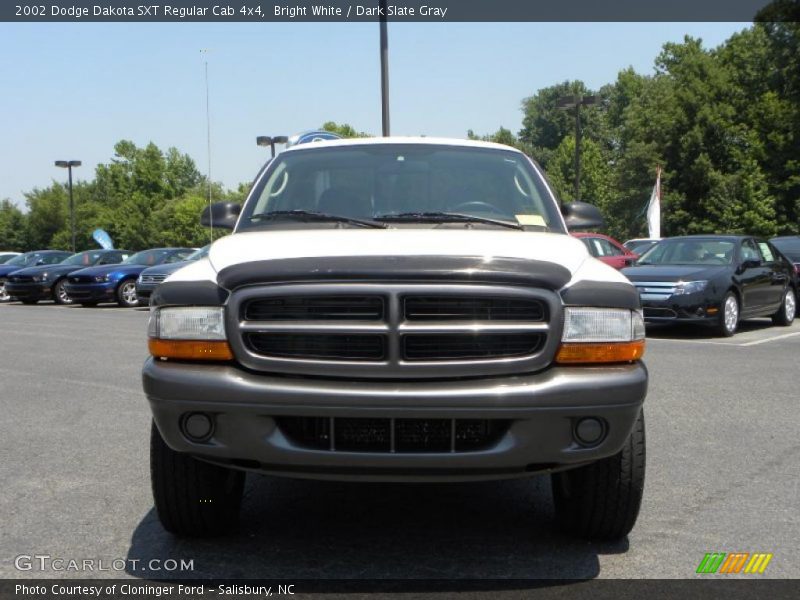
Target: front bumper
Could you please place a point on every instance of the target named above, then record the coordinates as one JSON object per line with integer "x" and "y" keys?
{"x": 144, "y": 291}
{"x": 91, "y": 292}
{"x": 695, "y": 308}
{"x": 541, "y": 411}
{"x": 28, "y": 290}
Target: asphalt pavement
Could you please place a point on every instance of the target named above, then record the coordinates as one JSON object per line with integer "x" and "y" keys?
{"x": 723, "y": 460}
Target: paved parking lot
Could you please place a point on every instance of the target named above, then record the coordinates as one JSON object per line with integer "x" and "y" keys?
{"x": 723, "y": 466}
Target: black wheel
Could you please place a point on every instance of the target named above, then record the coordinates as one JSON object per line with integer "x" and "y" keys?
{"x": 60, "y": 295}
{"x": 601, "y": 501}
{"x": 4, "y": 297}
{"x": 193, "y": 498}
{"x": 126, "y": 293}
{"x": 728, "y": 321}
{"x": 29, "y": 301}
{"x": 785, "y": 314}
{"x": 88, "y": 304}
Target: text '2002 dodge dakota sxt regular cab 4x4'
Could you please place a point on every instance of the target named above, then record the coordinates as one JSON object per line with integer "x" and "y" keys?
{"x": 398, "y": 309}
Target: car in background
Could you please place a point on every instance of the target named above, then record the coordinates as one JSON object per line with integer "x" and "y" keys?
{"x": 641, "y": 245}
{"x": 789, "y": 246}
{"x": 7, "y": 256}
{"x": 45, "y": 282}
{"x": 607, "y": 249}
{"x": 151, "y": 277}
{"x": 117, "y": 283}
{"x": 715, "y": 280}
{"x": 28, "y": 259}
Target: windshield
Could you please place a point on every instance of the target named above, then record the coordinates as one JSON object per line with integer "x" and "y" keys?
{"x": 198, "y": 254}
{"x": 23, "y": 260}
{"x": 689, "y": 252}
{"x": 87, "y": 258}
{"x": 4, "y": 258}
{"x": 147, "y": 257}
{"x": 385, "y": 180}
{"x": 790, "y": 247}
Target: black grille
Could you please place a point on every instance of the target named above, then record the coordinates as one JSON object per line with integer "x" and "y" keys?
{"x": 368, "y": 347}
{"x": 21, "y": 278}
{"x": 458, "y": 308}
{"x": 393, "y": 435}
{"x": 81, "y": 279}
{"x": 660, "y": 312}
{"x": 315, "y": 308}
{"x": 457, "y": 346}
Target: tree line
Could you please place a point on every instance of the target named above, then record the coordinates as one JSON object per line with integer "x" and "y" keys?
{"x": 723, "y": 124}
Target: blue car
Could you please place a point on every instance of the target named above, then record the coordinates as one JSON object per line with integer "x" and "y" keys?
{"x": 29, "y": 259}
{"x": 47, "y": 281}
{"x": 117, "y": 283}
{"x": 153, "y": 276}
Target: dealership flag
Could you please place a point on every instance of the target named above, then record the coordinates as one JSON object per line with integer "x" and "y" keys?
{"x": 654, "y": 209}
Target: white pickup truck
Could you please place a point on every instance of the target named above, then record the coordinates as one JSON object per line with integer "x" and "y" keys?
{"x": 398, "y": 309}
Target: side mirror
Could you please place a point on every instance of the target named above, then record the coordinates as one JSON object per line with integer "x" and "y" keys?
{"x": 581, "y": 215}
{"x": 751, "y": 263}
{"x": 221, "y": 214}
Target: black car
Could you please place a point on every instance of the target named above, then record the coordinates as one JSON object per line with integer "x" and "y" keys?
{"x": 29, "y": 259}
{"x": 150, "y": 278}
{"x": 789, "y": 245}
{"x": 47, "y": 281}
{"x": 715, "y": 280}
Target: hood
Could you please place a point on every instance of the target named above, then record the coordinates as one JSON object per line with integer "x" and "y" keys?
{"x": 275, "y": 245}
{"x": 6, "y": 269}
{"x": 673, "y": 272}
{"x": 106, "y": 269}
{"x": 166, "y": 269}
{"x": 61, "y": 269}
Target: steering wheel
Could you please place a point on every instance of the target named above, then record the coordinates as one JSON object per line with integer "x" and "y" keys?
{"x": 477, "y": 205}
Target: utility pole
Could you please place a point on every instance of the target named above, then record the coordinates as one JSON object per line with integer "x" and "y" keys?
{"x": 384, "y": 70}
{"x": 204, "y": 52}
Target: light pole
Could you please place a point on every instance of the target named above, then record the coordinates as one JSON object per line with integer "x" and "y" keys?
{"x": 565, "y": 103}
{"x": 68, "y": 164}
{"x": 265, "y": 140}
{"x": 384, "y": 71}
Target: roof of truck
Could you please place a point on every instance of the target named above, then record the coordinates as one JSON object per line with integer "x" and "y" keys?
{"x": 433, "y": 141}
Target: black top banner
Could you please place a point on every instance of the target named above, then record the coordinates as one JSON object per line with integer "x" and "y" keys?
{"x": 443, "y": 11}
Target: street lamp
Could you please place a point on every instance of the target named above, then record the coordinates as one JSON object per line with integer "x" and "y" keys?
{"x": 68, "y": 164}
{"x": 265, "y": 140}
{"x": 566, "y": 103}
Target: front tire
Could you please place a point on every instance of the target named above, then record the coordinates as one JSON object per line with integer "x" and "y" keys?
{"x": 4, "y": 297}
{"x": 192, "y": 497}
{"x": 785, "y": 315}
{"x": 126, "y": 294}
{"x": 728, "y": 316}
{"x": 601, "y": 501}
{"x": 60, "y": 295}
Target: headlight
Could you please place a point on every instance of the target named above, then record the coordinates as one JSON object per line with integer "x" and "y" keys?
{"x": 689, "y": 287}
{"x": 100, "y": 278}
{"x": 190, "y": 333}
{"x": 39, "y": 278}
{"x": 601, "y": 335}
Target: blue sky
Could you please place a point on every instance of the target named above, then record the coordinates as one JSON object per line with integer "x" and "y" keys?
{"x": 70, "y": 91}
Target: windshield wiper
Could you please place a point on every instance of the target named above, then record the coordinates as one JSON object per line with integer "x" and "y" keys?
{"x": 311, "y": 215}
{"x": 443, "y": 217}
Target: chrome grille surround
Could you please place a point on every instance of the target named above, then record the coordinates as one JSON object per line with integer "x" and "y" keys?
{"x": 654, "y": 290}
{"x": 393, "y": 327}
{"x": 152, "y": 278}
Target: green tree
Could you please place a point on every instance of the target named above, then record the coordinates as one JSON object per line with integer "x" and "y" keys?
{"x": 13, "y": 227}
{"x": 345, "y": 130}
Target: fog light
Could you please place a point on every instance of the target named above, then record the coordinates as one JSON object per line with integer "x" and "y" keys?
{"x": 198, "y": 427}
{"x": 589, "y": 431}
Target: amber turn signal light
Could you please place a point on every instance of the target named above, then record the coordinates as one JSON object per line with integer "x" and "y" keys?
{"x": 613, "y": 352}
{"x": 190, "y": 349}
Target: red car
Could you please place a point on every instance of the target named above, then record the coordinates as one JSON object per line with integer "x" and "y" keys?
{"x": 607, "y": 249}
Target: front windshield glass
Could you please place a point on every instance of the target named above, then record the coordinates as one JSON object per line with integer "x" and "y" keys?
{"x": 198, "y": 254}
{"x": 373, "y": 181}
{"x": 789, "y": 247}
{"x": 689, "y": 252}
{"x": 87, "y": 258}
{"x": 147, "y": 258}
{"x": 23, "y": 260}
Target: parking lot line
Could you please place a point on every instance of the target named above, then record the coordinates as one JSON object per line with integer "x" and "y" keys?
{"x": 771, "y": 339}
